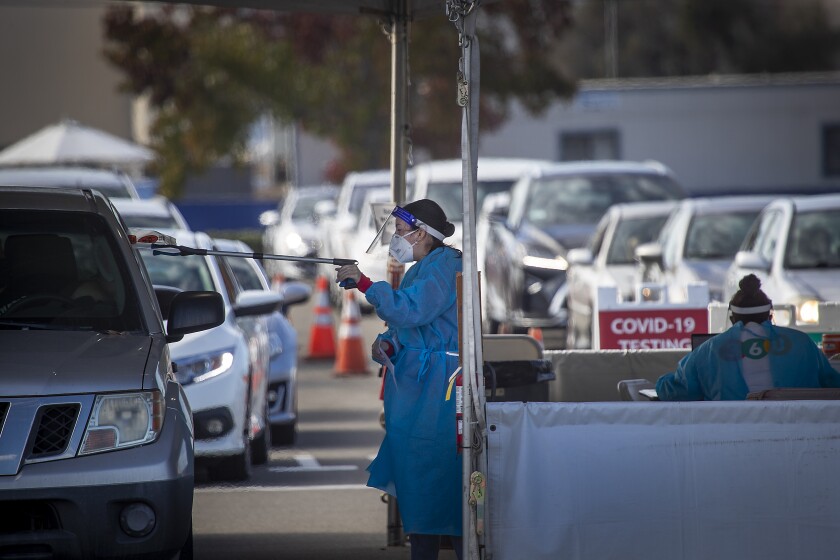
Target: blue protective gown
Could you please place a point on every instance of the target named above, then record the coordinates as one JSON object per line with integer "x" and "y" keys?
{"x": 712, "y": 371}
{"x": 418, "y": 461}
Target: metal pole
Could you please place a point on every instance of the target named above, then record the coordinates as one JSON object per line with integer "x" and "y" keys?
{"x": 471, "y": 352}
{"x": 399, "y": 100}
{"x": 399, "y": 131}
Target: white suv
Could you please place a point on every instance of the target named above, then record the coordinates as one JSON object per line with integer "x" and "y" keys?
{"x": 340, "y": 221}
{"x": 794, "y": 248}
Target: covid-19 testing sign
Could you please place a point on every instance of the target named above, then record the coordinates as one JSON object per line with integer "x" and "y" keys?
{"x": 640, "y": 329}
{"x": 649, "y": 325}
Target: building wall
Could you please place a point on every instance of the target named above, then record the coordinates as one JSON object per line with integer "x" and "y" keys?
{"x": 740, "y": 133}
{"x": 52, "y": 68}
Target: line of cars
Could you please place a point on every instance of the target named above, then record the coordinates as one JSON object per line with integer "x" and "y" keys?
{"x": 241, "y": 377}
{"x": 549, "y": 233}
{"x": 532, "y": 213}
{"x": 792, "y": 243}
{"x": 125, "y": 367}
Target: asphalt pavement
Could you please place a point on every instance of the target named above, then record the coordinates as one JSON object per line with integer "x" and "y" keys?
{"x": 327, "y": 514}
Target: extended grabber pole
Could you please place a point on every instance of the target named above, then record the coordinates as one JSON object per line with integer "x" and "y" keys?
{"x": 180, "y": 250}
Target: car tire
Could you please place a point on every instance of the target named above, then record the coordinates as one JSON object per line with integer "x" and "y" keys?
{"x": 235, "y": 468}
{"x": 186, "y": 552}
{"x": 261, "y": 448}
{"x": 284, "y": 435}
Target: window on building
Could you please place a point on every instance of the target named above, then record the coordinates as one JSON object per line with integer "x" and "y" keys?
{"x": 589, "y": 145}
{"x": 831, "y": 150}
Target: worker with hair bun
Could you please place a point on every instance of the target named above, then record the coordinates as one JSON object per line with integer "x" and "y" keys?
{"x": 753, "y": 355}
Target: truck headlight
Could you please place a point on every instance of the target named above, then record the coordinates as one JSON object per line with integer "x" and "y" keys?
{"x": 123, "y": 420}
{"x": 540, "y": 258}
{"x": 808, "y": 311}
{"x": 556, "y": 263}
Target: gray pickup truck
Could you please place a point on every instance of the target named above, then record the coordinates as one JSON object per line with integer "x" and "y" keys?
{"x": 96, "y": 435}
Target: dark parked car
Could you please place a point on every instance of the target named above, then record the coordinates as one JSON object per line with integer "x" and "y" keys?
{"x": 551, "y": 211}
{"x": 96, "y": 447}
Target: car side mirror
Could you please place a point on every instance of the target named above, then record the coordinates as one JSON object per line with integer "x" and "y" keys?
{"x": 649, "y": 254}
{"x": 580, "y": 256}
{"x": 269, "y": 218}
{"x": 193, "y": 311}
{"x": 295, "y": 292}
{"x": 496, "y": 206}
{"x": 325, "y": 208}
{"x": 750, "y": 260}
{"x": 256, "y": 302}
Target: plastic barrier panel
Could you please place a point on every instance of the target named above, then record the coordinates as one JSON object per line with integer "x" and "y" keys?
{"x": 664, "y": 481}
{"x": 593, "y": 375}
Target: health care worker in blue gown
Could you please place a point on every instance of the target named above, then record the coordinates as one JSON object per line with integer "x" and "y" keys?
{"x": 418, "y": 460}
{"x": 753, "y": 355}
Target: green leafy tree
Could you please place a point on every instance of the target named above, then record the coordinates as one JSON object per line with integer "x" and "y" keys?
{"x": 210, "y": 73}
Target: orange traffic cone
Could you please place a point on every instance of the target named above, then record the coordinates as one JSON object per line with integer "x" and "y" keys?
{"x": 351, "y": 353}
{"x": 536, "y": 333}
{"x": 322, "y": 336}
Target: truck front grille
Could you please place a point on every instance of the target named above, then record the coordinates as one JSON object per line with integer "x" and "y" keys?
{"x": 54, "y": 428}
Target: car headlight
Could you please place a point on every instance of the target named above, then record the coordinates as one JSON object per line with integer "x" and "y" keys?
{"x": 294, "y": 241}
{"x": 557, "y": 263}
{"x": 808, "y": 311}
{"x": 196, "y": 369}
{"x": 123, "y": 420}
{"x": 537, "y": 257}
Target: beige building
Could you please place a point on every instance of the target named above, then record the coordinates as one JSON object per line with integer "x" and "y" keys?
{"x": 52, "y": 67}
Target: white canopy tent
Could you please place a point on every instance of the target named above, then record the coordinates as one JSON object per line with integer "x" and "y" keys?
{"x": 463, "y": 14}
{"x": 69, "y": 142}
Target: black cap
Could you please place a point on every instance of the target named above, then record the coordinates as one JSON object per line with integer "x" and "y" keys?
{"x": 430, "y": 213}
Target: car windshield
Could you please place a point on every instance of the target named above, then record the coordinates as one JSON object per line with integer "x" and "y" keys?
{"x": 304, "y": 210}
{"x": 717, "y": 236}
{"x": 62, "y": 270}
{"x": 358, "y": 196}
{"x": 183, "y": 272}
{"x": 631, "y": 233}
{"x": 450, "y": 199}
{"x": 814, "y": 240}
{"x": 584, "y": 199}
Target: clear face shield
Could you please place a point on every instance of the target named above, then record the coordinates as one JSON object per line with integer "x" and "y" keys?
{"x": 385, "y": 215}
{"x": 388, "y": 216}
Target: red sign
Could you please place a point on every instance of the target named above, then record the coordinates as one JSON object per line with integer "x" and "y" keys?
{"x": 644, "y": 329}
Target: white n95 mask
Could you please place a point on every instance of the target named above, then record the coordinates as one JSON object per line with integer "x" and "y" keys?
{"x": 401, "y": 249}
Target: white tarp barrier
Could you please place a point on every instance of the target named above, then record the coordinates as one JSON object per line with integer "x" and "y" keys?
{"x": 670, "y": 481}
{"x": 593, "y": 375}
